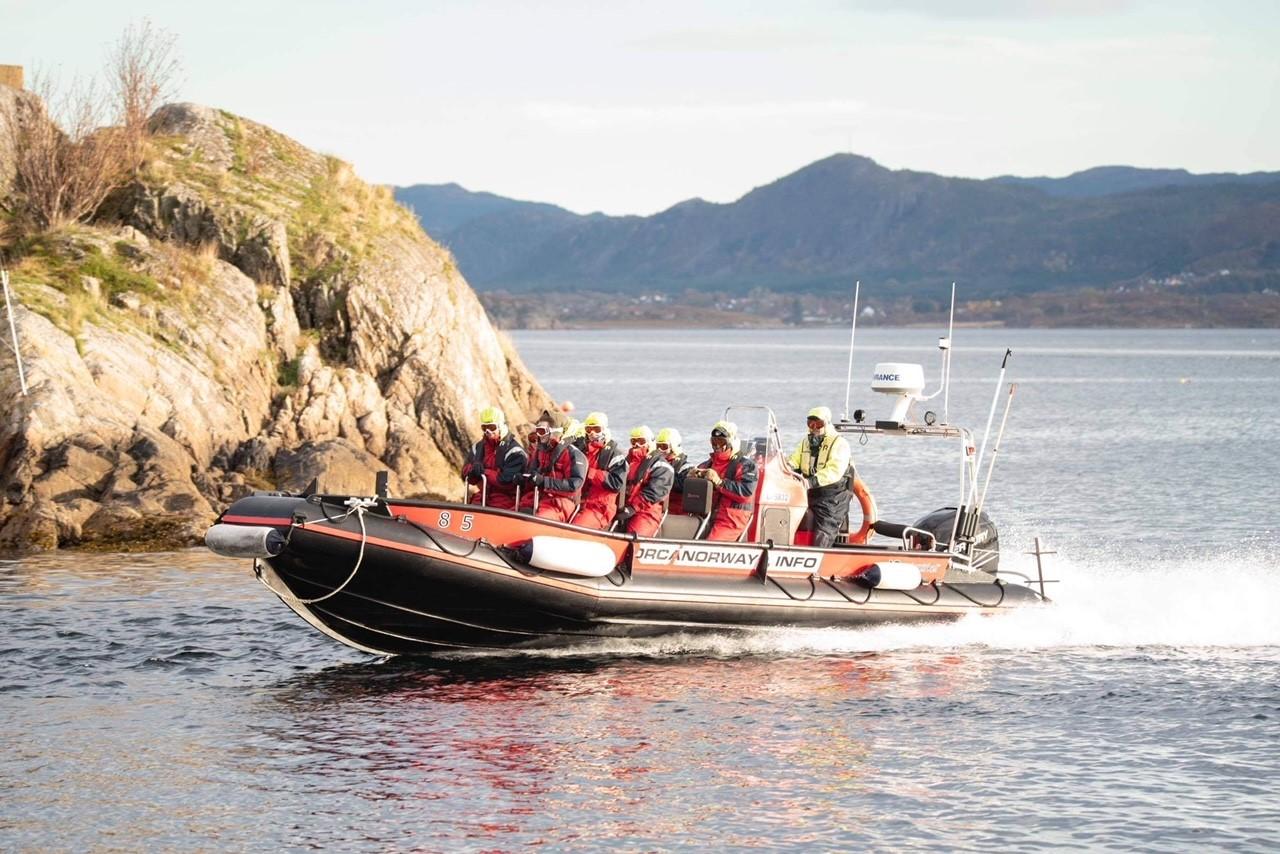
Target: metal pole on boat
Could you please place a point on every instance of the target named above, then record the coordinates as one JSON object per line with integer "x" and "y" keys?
{"x": 13, "y": 331}
{"x": 853, "y": 329}
{"x": 946, "y": 368}
{"x": 1040, "y": 568}
{"x": 995, "y": 449}
{"x": 995, "y": 398}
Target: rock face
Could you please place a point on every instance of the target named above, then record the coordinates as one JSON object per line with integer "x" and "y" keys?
{"x": 246, "y": 314}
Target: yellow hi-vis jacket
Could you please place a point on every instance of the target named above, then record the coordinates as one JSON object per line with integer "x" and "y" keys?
{"x": 830, "y": 465}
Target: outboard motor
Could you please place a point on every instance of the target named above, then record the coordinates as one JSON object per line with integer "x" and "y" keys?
{"x": 986, "y": 540}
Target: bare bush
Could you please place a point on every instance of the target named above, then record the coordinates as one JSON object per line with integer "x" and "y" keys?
{"x": 79, "y": 142}
{"x": 143, "y": 72}
{"x": 65, "y": 162}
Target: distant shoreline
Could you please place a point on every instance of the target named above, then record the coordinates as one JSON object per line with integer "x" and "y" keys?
{"x": 1169, "y": 308}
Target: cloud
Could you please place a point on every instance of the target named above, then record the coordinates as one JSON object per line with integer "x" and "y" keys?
{"x": 987, "y": 9}
{"x": 735, "y": 40}
{"x": 579, "y": 117}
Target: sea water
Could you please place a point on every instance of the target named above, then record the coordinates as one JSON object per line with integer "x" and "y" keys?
{"x": 169, "y": 701}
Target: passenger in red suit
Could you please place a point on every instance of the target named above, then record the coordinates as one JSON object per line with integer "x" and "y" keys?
{"x": 496, "y": 462}
{"x": 734, "y": 477}
{"x": 649, "y": 479}
{"x": 606, "y": 474}
{"x": 555, "y": 474}
{"x": 668, "y": 444}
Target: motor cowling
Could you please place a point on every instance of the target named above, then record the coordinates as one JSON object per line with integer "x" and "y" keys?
{"x": 986, "y": 541}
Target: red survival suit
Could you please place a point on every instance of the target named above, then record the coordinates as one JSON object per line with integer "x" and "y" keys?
{"x": 502, "y": 462}
{"x": 649, "y": 480}
{"x": 556, "y": 470}
{"x": 735, "y": 497}
{"x": 606, "y": 473}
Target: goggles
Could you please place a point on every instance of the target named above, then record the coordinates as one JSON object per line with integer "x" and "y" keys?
{"x": 593, "y": 429}
{"x": 817, "y": 422}
{"x": 719, "y": 434}
{"x": 542, "y": 431}
{"x": 663, "y": 446}
{"x": 487, "y": 427}
{"x": 639, "y": 443}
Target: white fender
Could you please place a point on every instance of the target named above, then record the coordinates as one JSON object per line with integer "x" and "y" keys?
{"x": 573, "y": 557}
{"x": 254, "y": 541}
{"x": 890, "y": 575}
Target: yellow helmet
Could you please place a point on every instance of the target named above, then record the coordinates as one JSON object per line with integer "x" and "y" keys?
{"x": 493, "y": 415}
{"x": 727, "y": 430}
{"x": 642, "y": 432}
{"x": 671, "y": 437}
{"x": 822, "y": 413}
{"x": 596, "y": 419}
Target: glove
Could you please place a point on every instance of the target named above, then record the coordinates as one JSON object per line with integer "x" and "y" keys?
{"x": 812, "y": 481}
{"x": 472, "y": 489}
{"x": 626, "y": 513}
{"x": 713, "y": 476}
{"x": 538, "y": 478}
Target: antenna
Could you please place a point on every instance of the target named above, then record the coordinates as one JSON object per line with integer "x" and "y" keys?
{"x": 944, "y": 345}
{"x": 995, "y": 449}
{"x": 995, "y": 398}
{"x": 853, "y": 329}
{"x": 13, "y": 330}
{"x": 946, "y": 368}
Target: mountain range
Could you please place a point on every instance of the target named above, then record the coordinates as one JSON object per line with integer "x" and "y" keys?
{"x": 846, "y": 217}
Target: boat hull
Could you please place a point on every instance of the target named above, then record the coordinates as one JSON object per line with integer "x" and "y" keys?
{"x": 377, "y": 580}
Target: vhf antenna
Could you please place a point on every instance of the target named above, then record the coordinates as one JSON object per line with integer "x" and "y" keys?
{"x": 853, "y": 329}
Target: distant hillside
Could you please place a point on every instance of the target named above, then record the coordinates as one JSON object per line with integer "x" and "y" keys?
{"x": 846, "y": 216}
{"x": 1110, "y": 180}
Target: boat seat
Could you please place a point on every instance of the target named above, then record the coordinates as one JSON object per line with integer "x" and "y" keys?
{"x": 692, "y": 524}
{"x": 681, "y": 526}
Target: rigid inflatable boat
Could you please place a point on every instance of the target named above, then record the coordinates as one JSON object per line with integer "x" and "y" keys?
{"x": 401, "y": 576}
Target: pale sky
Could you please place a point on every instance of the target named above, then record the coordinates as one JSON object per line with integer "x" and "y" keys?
{"x": 632, "y": 107}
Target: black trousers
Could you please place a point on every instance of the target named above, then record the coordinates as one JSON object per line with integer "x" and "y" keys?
{"x": 830, "y": 509}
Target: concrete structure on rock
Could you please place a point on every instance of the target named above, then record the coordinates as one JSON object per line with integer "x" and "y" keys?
{"x": 11, "y": 75}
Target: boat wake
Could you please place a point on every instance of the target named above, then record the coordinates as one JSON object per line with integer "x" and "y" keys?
{"x": 1192, "y": 602}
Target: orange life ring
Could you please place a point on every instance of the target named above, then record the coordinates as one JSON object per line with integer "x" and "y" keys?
{"x": 869, "y": 512}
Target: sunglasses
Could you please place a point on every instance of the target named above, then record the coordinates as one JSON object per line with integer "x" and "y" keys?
{"x": 663, "y": 446}
{"x": 636, "y": 443}
{"x": 593, "y": 429}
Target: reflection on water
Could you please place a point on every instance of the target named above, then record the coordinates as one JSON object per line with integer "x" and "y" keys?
{"x": 208, "y": 711}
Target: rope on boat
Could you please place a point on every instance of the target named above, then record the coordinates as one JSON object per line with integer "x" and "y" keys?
{"x": 813, "y": 588}
{"x": 432, "y": 537}
{"x": 846, "y": 596}
{"x": 937, "y": 594}
{"x": 1000, "y": 584}
{"x": 358, "y": 507}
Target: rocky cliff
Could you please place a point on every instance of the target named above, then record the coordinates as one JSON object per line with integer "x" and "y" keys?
{"x": 244, "y": 314}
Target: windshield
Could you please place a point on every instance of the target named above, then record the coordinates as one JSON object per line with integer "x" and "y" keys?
{"x": 757, "y": 429}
